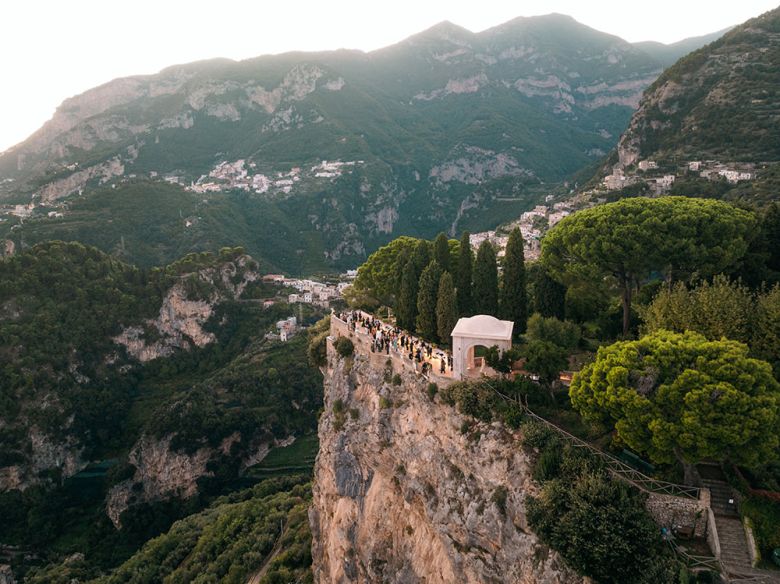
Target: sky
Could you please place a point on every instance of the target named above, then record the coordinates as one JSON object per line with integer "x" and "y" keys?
{"x": 53, "y": 49}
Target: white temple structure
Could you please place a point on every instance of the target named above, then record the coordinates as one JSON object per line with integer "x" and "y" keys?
{"x": 480, "y": 330}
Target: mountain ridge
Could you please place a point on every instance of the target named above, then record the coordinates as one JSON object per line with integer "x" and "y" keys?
{"x": 445, "y": 130}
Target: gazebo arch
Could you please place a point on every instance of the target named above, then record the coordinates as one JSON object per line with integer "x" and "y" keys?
{"x": 481, "y": 329}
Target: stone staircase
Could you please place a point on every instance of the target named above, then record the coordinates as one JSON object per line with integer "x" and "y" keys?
{"x": 734, "y": 554}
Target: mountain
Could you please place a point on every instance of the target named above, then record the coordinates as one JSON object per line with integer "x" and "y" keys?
{"x": 668, "y": 54}
{"x": 718, "y": 103}
{"x": 446, "y": 130}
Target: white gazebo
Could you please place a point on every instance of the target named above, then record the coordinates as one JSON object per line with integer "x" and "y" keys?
{"x": 482, "y": 329}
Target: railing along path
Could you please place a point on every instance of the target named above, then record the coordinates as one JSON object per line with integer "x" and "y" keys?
{"x": 617, "y": 467}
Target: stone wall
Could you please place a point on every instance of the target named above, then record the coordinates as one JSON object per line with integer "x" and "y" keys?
{"x": 670, "y": 512}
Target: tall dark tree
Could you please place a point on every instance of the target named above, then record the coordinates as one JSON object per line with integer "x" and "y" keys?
{"x": 548, "y": 296}
{"x": 463, "y": 284}
{"x": 406, "y": 306}
{"x": 441, "y": 251}
{"x": 427, "y": 296}
{"x": 513, "y": 299}
{"x": 771, "y": 230}
{"x": 486, "y": 280}
{"x": 446, "y": 313}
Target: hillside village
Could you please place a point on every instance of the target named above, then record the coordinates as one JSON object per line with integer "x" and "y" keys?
{"x": 242, "y": 175}
{"x": 661, "y": 177}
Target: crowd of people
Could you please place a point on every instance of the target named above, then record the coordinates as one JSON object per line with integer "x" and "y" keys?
{"x": 385, "y": 338}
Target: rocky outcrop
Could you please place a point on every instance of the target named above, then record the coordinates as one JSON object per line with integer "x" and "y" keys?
{"x": 44, "y": 454}
{"x": 402, "y": 495}
{"x": 160, "y": 473}
{"x": 180, "y": 322}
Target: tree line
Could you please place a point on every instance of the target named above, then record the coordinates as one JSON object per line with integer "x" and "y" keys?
{"x": 431, "y": 284}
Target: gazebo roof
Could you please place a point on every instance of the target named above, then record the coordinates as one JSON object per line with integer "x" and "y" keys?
{"x": 484, "y": 326}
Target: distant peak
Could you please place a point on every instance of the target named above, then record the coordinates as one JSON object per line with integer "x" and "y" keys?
{"x": 446, "y": 28}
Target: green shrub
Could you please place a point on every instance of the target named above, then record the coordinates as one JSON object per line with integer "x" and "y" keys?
{"x": 602, "y": 530}
{"x": 397, "y": 379}
{"x": 537, "y": 435}
{"x": 432, "y": 390}
{"x": 563, "y": 333}
{"x": 344, "y": 347}
{"x": 499, "y": 499}
{"x": 385, "y": 403}
{"x": 548, "y": 464}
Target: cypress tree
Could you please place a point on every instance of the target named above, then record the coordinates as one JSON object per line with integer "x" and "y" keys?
{"x": 427, "y": 295}
{"x": 446, "y": 315}
{"x": 406, "y": 307}
{"x": 441, "y": 251}
{"x": 549, "y": 294}
{"x": 513, "y": 300}
{"x": 771, "y": 229}
{"x": 465, "y": 265}
{"x": 486, "y": 280}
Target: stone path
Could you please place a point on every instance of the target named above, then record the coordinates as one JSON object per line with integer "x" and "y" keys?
{"x": 734, "y": 554}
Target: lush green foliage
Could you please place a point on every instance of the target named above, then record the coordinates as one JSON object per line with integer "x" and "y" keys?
{"x": 547, "y": 295}
{"x": 441, "y": 252}
{"x": 486, "y": 280}
{"x": 501, "y": 361}
{"x": 721, "y": 309}
{"x": 627, "y": 240}
{"x": 545, "y": 359}
{"x": 344, "y": 347}
{"x": 406, "y": 307}
{"x": 562, "y": 333}
{"x": 513, "y": 298}
{"x": 427, "y": 297}
{"x": 62, "y": 303}
{"x": 228, "y": 542}
{"x": 380, "y": 275}
{"x": 318, "y": 335}
{"x": 446, "y": 312}
{"x": 681, "y": 396}
{"x": 598, "y": 524}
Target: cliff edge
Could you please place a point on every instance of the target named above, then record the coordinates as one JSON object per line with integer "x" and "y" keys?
{"x": 402, "y": 494}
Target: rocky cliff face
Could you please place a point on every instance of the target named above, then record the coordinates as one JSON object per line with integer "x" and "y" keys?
{"x": 163, "y": 473}
{"x": 401, "y": 495}
{"x": 181, "y": 319}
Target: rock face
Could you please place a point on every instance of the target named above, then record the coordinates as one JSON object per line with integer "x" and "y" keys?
{"x": 181, "y": 319}
{"x": 401, "y": 495}
{"x": 6, "y": 575}
{"x": 160, "y": 473}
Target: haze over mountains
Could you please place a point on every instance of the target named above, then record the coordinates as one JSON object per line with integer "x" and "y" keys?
{"x": 340, "y": 151}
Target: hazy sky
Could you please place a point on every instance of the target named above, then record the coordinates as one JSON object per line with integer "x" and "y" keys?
{"x": 53, "y": 49}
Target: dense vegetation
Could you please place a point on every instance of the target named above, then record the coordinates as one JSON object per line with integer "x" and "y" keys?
{"x": 407, "y": 275}
{"x": 717, "y": 102}
{"x": 597, "y": 523}
{"x": 66, "y": 381}
{"x": 625, "y": 242}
